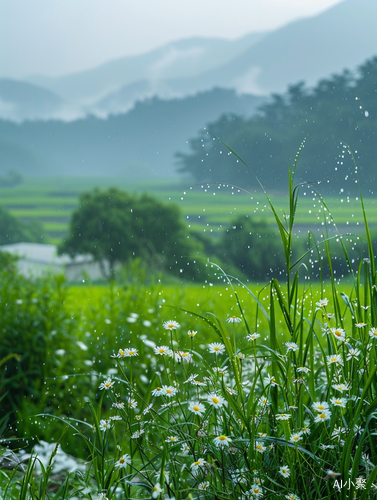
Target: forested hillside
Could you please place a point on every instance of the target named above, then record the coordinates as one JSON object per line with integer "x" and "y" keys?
{"x": 136, "y": 144}
{"x": 337, "y": 111}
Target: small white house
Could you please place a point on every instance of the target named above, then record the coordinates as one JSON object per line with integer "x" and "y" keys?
{"x": 35, "y": 259}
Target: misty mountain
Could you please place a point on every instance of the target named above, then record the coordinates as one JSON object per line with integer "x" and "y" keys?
{"x": 139, "y": 143}
{"x": 22, "y": 101}
{"x": 181, "y": 59}
{"x": 304, "y": 50}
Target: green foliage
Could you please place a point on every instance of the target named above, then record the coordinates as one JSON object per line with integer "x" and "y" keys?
{"x": 12, "y": 230}
{"x": 253, "y": 247}
{"x": 35, "y": 324}
{"x": 341, "y": 109}
{"x": 114, "y": 227}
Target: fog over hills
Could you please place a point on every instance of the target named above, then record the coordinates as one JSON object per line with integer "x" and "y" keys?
{"x": 139, "y": 143}
{"x": 259, "y": 63}
{"x": 21, "y": 101}
{"x": 177, "y": 60}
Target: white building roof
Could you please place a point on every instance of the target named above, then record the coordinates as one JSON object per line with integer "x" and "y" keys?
{"x": 41, "y": 253}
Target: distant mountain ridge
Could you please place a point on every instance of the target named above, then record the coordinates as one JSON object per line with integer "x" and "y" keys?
{"x": 181, "y": 59}
{"x": 260, "y": 63}
{"x": 134, "y": 145}
{"x": 21, "y": 101}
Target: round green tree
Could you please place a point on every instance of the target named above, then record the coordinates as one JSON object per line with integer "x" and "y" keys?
{"x": 114, "y": 226}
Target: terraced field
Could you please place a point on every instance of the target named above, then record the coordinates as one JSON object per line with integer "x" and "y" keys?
{"x": 208, "y": 208}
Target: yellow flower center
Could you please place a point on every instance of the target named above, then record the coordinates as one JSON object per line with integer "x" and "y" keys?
{"x": 215, "y": 400}
{"x": 320, "y": 407}
{"x": 295, "y": 438}
{"x": 196, "y": 463}
{"x": 223, "y": 438}
{"x": 375, "y": 334}
{"x": 155, "y": 488}
{"x": 184, "y": 354}
{"x": 338, "y": 333}
{"x": 259, "y": 447}
{"x": 338, "y": 402}
{"x": 168, "y": 391}
{"x": 161, "y": 350}
{"x": 216, "y": 348}
{"x": 196, "y": 408}
{"x": 121, "y": 460}
{"x": 322, "y": 415}
{"x": 158, "y": 389}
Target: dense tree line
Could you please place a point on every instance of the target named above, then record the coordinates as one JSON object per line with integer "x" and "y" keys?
{"x": 13, "y": 230}
{"x": 341, "y": 110}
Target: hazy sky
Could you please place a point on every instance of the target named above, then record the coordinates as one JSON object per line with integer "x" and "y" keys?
{"x": 56, "y": 37}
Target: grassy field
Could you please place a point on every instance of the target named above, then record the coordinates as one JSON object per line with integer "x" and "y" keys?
{"x": 207, "y": 208}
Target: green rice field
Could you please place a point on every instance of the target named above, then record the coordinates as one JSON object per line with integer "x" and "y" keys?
{"x": 208, "y": 208}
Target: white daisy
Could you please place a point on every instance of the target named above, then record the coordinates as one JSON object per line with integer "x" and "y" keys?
{"x": 131, "y": 403}
{"x": 191, "y": 333}
{"x": 353, "y": 353}
{"x": 203, "y": 486}
{"x": 295, "y": 438}
{"x": 334, "y": 358}
{"x": 195, "y": 466}
{"x": 303, "y": 369}
{"x": 183, "y": 356}
{"x": 156, "y": 490}
{"x": 131, "y": 352}
{"x": 322, "y": 303}
{"x": 215, "y": 400}
{"x": 284, "y": 471}
{"x": 159, "y": 391}
{"x": 269, "y": 379}
{"x": 373, "y": 333}
{"x": 162, "y": 350}
{"x": 234, "y": 319}
{"x": 197, "y": 408}
{"x": 104, "y": 425}
{"x": 339, "y": 334}
{"x": 252, "y": 336}
{"x": 323, "y": 416}
{"x": 170, "y": 325}
{"x": 341, "y": 387}
{"x": 342, "y": 402}
{"x": 255, "y": 491}
{"x": 169, "y": 390}
{"x": 122, "y": 462}
{"x": 320, "y": 406}
{"x": 216, "y": 348}
{"x": 291, "y": 346}
{"x": 283, "y": 416}
{"x": 171, "y": 439}
{"x": 106, "y": 385}
{"x": 222, "y": 441}
{"x": 259, "y": 447}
